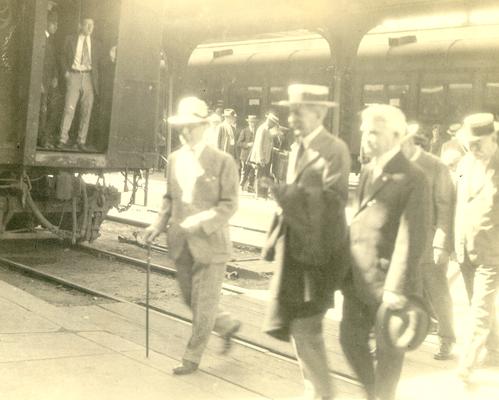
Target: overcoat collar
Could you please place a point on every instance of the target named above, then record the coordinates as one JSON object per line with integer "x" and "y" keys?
{"x": 391, "y": 173}
{"x": 312, "y": 152}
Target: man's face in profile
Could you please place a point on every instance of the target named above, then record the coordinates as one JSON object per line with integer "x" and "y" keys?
{"x": 87, "y": 26}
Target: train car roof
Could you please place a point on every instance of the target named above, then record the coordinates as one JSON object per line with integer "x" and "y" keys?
{"x": 447, "y": 45}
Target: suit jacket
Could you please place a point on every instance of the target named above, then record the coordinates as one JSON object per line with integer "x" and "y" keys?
{"x": 69, "y": 55}
{"x": 441, "y": 209}
{"x": 244, "y": 143}
{"x": 308, "y": 236}
{"x": 477, "y": 212}
{"x": 227, "y": 139}
{"x": 214, "y": 201}
{"x": 49, "y": 64}
{"x": 262, "y": 146}
{"x": 389, "y": 232}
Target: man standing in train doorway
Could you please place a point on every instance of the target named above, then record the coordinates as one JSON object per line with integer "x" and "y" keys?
{"x": 202, "y": 194}
{"x": 227, "y": 132}
{"x": 308, "y": 236}
{"x": 388, "y": 234}
{"x": 80, "y": 62}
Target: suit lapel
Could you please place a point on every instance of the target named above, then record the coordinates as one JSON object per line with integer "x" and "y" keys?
{"x": 311, "y": 154}
{"x": 379, "y": 183}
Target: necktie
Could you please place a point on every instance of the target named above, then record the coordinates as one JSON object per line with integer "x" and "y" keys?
{"x": 366, "y": 191}
{"x": 299, "y": 155}
{"x": 85, "y": 55}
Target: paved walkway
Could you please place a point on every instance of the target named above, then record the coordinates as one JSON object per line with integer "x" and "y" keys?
{"x": 96, "y": 352}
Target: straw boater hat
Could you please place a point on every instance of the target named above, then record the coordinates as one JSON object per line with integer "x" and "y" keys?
{"x": 191, "y": 110}
{"x": 453, "y": 129}
{"x": 404, "y": 329}
{"x": 307, "y": 94}
{"x": 272, "y": 117}
{"x": 477, "y": 126}
{"x": 229, "y": 112}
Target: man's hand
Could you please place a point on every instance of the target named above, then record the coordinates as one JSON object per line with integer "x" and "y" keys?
{"x": 394, "y": 301}
{"x": 191, "y": 224}
{"x": 440, "y": 256}
{"x": 151, "y": 233}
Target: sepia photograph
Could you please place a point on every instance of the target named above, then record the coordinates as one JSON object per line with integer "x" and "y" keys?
{"x": 249, "y": 200}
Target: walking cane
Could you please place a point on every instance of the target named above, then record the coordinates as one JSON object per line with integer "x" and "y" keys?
{"x": 147, "y": 297}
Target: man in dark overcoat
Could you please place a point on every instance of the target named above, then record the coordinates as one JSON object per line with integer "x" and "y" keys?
{"x": 436, "y": 256}
{"x": 388, "y": 234}
{"x": 308, "y": 235}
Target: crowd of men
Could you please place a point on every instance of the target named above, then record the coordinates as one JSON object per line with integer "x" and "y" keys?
{"x": 412, "y": 212}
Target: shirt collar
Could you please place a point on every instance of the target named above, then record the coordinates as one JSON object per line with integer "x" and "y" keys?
{"x": 307, "y": 140}
{"x": 381, "y": 161}
{"x": 417, "y": 154}
{"x": 196, "y": 149}
{"x": 47, "y": 34}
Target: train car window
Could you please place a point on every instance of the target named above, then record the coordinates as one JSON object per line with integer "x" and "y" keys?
{"x": 254, "y": 100}
{"x": 373, "y": 93}
{"x": 460, "y": 101}
{"x": 491, "y": 98}
{"x": 398, "y": 96}
{"x": 431, "y": 104}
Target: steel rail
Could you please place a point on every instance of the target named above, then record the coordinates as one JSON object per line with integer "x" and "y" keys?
{"x": 84, "y": 289}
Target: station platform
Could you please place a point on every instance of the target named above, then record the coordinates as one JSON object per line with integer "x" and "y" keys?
{"x": 50, "y": 352}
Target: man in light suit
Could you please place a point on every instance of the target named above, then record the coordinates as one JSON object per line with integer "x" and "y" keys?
{"x": 436, "y": 256}
{"x": 308, "y": 236}
{"x": 388, "y": 234}
{"x": 202, "y": 194}
{"x": 81, "y": 69}
{"x": 261, "y": 152}
{"x": 477, "y": 237}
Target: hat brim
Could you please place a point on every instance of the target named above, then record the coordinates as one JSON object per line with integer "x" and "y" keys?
{"x": 465, "y": 134}
{"x": 287, "y": 103}
{"x": 186, "y": 120}
{"x": 411, "y": 339}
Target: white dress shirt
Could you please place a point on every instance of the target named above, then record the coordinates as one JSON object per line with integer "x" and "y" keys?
{"x": 306, "y": 141}
{"x": 380, "y": 162}
{"x": 188, "y": 169}
{"x": 79, "y": 53}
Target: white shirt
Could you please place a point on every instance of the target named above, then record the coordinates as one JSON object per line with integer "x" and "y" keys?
{"x": 79, "y": 52}
{"x": 47, "y": 34}
{"x": 188, "y": 169}
{"x": 380, "y": 162}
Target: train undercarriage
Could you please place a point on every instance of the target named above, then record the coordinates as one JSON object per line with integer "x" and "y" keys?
{"x": 59, "y": 205}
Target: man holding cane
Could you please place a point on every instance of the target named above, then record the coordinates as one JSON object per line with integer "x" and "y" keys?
{"x": 202, "y": 194}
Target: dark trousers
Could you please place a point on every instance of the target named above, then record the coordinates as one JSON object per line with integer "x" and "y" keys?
{"x": 261, "y": 171}
{"x": 482, "y": 285}
{"x": 437, "y": 294}
{"x": 380, "y": 382}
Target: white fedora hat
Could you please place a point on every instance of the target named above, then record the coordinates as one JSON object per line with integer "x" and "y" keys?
{"x": 307, "y": 94}
{"x": 191, "y": 110}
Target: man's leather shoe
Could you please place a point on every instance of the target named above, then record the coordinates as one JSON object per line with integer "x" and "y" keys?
{"x": 227, "y": 346}
{"x": 187, "y": 367}
{"x": 62, "y": 146}
{"x": 444, "y": 351}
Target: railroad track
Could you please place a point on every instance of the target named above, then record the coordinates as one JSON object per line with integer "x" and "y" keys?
{"x": 98, "y": 253}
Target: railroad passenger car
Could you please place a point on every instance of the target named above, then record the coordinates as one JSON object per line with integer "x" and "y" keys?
{"x": 43, "y": 186}
{"x": 436, "y": 76}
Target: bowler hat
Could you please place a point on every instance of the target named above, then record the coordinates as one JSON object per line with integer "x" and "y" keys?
{"x": 478, "y": 125}
{"x": 307, "y": 94}
{"x": 403, "y": 329}
{"x": 191, "y": 110}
